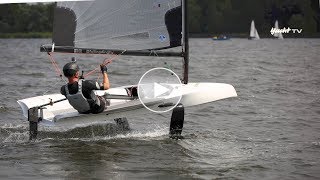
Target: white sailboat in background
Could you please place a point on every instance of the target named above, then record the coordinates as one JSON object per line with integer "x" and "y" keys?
{"x": 277, "y": 35}
{"x": 122, "y": 27}
{"x": 253, "y": 32}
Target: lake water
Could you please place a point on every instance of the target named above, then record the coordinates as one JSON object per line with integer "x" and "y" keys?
{"x": 270, "y": 131}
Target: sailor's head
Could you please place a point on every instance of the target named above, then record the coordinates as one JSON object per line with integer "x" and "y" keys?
{"x": 71, "y": 69}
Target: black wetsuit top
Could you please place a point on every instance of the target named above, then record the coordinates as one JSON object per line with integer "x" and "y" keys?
{"x": 87, "y": 87}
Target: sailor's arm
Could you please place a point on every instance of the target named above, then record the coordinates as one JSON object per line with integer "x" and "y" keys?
{"x": 105, "y": 83}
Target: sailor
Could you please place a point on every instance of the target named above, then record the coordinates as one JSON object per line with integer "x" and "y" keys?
{"x": 79, "y": 92}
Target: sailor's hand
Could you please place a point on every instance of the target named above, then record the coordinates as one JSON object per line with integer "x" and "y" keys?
{"x": 103, "y": 68}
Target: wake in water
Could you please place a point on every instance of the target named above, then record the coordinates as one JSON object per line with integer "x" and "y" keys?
{"x": 14, "y": 133}
{"x": 10, "y": 133}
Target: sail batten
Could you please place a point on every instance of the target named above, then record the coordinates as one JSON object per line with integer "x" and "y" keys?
{"x": 137, "y": 34}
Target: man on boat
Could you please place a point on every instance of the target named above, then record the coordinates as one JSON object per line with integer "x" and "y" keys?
{"x": 79, "y": 92}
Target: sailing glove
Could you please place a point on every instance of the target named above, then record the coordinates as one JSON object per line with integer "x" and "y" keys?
{"x": 103, "y": 68}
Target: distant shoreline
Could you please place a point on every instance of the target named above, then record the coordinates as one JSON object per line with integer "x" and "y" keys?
{"x": 192, "y": 35}
{"x": 26, "y": 35}
{"x": 245, "y": 35}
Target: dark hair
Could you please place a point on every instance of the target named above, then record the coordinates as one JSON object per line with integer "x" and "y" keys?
{"x": 70, "y": 69}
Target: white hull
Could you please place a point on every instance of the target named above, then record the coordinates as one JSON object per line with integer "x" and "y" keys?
{"x": 62, "y": 113}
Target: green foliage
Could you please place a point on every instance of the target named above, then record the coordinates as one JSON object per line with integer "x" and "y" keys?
{"x": 25, "y": 18}
{"x": 234, "y": 16}
{"x": 26, "y": 35}
{"x": 296, "y": 21}
{"x": 205, "y": 16}
{"x": 194, "y": 20}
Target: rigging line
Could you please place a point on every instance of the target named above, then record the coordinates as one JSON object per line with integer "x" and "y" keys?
{"x": 84, "y": 11}
{"x": 106, "y": 61}
{"x": 52, "y": 61}
{"x": 72, "y": 5}
{"x": 54, "y": 85}
{"x": 54, "y": 64}
{"x": 57, "y": 69}
{"x": 154, "y": 52}
{"x": 165, "y": 63}
{"x": 61, "y": 77}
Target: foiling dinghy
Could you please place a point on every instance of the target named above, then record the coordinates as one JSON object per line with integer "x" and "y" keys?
{"x": 122, "y": 27}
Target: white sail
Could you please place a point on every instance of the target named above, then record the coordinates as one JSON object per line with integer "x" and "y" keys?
{"x": 253, "y": 31}
{"x": 118, "y": 24}
{"x": 277, "y": 35}
{"x": 256, "y": 34}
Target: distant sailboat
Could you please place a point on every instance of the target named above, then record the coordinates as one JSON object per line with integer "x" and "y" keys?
{"x": 253, "y": 32}
{"x": 277, "y": 35}
{"x": 220, "y": 38}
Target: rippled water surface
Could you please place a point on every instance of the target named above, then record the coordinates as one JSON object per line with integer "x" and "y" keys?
{"x": 270, "y": 131}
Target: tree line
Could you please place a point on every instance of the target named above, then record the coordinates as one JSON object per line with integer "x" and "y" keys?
{"x": 15, "y": 18}
{"x": 206, "y": 17}
{"x": 234, "y": 16}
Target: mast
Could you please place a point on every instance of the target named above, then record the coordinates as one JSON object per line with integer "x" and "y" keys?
{"x": 185, "y": 42}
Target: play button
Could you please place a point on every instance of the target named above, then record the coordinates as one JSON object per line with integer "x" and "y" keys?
{"x": 158, "y": 90}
